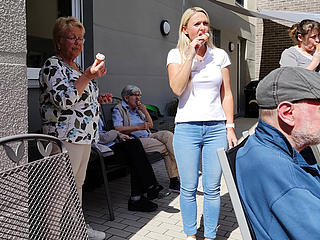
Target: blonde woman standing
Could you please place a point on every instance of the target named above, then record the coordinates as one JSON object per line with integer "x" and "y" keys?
{"x": 199, "y": 75}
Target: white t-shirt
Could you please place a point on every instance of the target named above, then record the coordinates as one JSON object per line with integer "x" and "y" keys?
{"x": 201, "y": 101}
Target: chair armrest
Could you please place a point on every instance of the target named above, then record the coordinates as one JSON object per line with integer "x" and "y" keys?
{"x": 153, "y": 130}
{"x": 102, "y": 150}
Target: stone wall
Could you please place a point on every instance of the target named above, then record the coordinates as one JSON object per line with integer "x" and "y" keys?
{"x": 13, "y": 71}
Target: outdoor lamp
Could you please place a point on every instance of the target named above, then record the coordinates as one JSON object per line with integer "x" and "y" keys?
{"x": 164, "y": 27}
{"x": 231, "y": 46}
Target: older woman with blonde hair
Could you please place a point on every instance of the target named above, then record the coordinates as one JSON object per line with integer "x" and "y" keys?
{"x": 199, "y": 75}
{"x": 68, "y": 100}
{"x": 306, "y": 50}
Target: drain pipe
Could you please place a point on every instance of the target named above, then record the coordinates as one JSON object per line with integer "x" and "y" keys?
{"x": 183, "y": 6}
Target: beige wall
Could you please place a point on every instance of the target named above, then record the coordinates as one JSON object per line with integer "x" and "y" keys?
{"x": 136, "y": 51}
{"x": 128, "y": 33}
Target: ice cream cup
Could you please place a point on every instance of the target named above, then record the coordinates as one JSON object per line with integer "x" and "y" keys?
{"x": 206, "y": 36}
{"x": 100, "y": 57}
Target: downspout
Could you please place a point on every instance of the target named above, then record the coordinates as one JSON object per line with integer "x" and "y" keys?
{"x": 183, "y": 6}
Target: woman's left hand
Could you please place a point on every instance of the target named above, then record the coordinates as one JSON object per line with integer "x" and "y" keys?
{"x": 232, "y": 138}
{"x": 96, "y": 70}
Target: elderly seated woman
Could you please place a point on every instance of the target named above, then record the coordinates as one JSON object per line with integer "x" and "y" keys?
{"x": 143, "y": 179}
{"x": 131, "y": 117}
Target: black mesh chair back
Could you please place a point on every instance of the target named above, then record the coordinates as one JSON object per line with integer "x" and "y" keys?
{"x": 38, "y": 197}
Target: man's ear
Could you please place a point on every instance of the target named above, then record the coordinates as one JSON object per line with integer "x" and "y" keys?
{"x": 299, "y": 36}
{"x": 126, "y": 98}
{"x": 286, "y": 113}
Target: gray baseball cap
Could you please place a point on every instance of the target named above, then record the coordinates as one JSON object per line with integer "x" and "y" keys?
{"x": 287, "y": 84}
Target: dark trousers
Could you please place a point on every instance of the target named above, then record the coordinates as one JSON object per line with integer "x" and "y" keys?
{"x": 142, "y": 175}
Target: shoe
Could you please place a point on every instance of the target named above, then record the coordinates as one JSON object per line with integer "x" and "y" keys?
{"x": 142, "y": 205}
{"x": 153, "y": 192}
{"x": 94, "y": 234}
{"x": 174, "y": 185}
{"x": 191, "y": 238}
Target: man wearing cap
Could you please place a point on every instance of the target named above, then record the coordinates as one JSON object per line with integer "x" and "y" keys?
{"x": 132, "y": 117}
{"x": 280, "y": 190}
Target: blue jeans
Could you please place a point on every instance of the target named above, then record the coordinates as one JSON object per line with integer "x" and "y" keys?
{"x": 191, "y": 139}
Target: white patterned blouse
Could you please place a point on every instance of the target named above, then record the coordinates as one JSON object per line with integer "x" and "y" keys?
{"x": 65, "y": 114}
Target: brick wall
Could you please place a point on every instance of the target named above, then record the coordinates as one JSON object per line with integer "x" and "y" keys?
{"x": 272, "y": 36}
{"x": 275, "y": 40}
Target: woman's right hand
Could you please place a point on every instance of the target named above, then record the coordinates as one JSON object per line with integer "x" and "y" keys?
{"x": 179, "y": 74}
{"x": 195, "y": 45}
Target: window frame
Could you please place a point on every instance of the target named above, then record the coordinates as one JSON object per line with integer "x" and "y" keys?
{"x": 216, "y": 37}
{"x": 240, "y": 2}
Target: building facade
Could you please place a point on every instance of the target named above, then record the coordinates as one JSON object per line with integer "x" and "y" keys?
{"x": 127, "y": 32}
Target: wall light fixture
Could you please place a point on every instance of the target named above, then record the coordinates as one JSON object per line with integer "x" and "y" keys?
{"x": 164, "y": 27}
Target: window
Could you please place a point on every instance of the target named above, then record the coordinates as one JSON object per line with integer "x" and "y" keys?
{"x": 216, "y": 37}
{"x": 241, "y": 2}
{"x": 41, "y": 16}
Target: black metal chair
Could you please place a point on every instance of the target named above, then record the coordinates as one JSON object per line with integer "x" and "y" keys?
{"x": 106, "y": 168}
{"x": 228, "y": 165}
{"x": 38, "y": 197}
{"x": 105, "y": 156}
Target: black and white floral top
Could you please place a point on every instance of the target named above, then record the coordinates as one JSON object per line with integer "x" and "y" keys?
{"x": 66, "y": 114}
